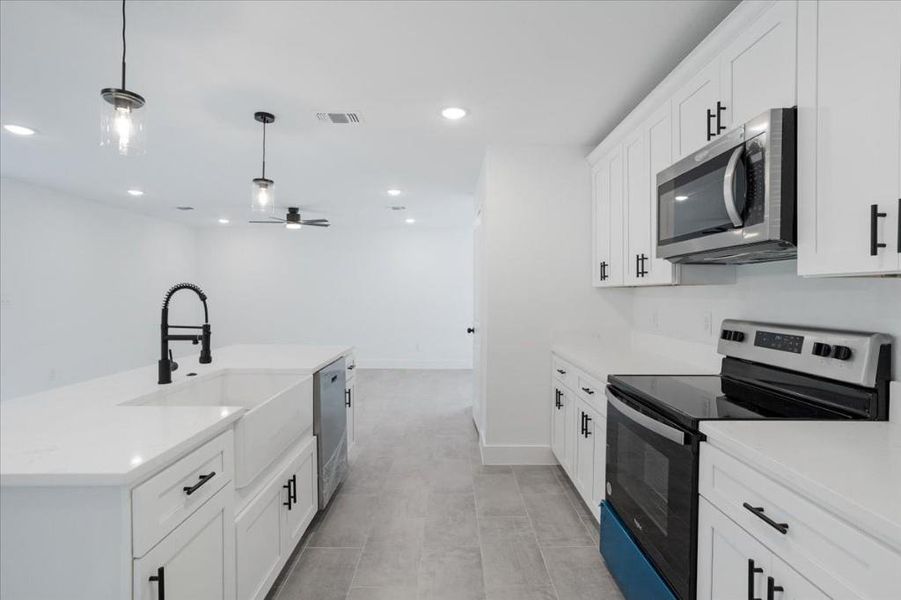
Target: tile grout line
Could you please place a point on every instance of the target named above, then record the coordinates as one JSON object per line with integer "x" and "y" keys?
{"x": 535, "y": 533}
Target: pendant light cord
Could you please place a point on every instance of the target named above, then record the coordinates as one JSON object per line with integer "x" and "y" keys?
{"x": 123, "y": 44}
{"x": 264, "y": 149}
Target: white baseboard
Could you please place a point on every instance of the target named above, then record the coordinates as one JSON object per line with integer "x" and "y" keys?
{"x": 516, "y": 455}
{"x": 401, "y": 363}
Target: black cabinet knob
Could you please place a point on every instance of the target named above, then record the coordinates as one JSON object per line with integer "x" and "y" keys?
{"x": 821, "y": 349}
{"x": 470, "y": 330}
{"x": 841, "y": 352}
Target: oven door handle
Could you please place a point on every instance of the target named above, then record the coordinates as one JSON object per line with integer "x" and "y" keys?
{"x": 662, "y": 429}
{"x": 729, "y": 187}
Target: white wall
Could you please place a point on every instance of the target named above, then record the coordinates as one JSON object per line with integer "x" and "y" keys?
{"x": 535, "y": 285}
{"x": 768, "y": 292}
{"x": 401, "y": 296}
{"x": 81, "y": 286}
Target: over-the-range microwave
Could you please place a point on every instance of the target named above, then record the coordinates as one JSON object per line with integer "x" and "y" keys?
{"x": 733, "y": 201}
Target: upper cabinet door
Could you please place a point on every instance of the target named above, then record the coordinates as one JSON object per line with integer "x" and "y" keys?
{"x": 608, "y": 216}
{"x": 758, "y": 71}
{"x": 849, "y": 133}
{"x": 637, "y": 207}
{"x": 659, "y": 271}
{"x": 690, "y": 105}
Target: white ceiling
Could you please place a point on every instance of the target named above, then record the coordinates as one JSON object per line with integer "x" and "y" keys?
{"x": 529, "y": 72}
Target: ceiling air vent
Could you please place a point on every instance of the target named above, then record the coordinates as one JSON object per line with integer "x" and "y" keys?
{"x": 340, "y": 118}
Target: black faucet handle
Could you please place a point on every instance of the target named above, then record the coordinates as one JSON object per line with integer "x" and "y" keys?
{"x": 172, "y": 364}
{"x": 206, "y": 357}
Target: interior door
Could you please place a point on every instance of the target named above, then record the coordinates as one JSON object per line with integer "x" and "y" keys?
{"x": 854, "y": 49}
{"x": 690, "y": 105}
{"x": 732, "y": 565}
{"x": 195, "y": 561}
{"x": 759, "y": 68}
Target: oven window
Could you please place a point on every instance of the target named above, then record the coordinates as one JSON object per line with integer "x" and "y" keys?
{"x": 644, "y": 475}
{"x": 692, "y": 204}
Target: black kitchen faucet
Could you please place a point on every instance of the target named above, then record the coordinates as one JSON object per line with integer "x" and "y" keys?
{"x": 166, "y": 364}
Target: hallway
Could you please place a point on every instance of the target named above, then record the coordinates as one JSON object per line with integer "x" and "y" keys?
{"x": 420, "y": 518}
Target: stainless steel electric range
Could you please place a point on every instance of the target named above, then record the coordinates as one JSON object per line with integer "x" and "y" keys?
{"x": 768, "y": 372}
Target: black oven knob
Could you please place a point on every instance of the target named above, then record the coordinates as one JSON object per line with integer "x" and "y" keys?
{"x": 821, "y": 349}
{"x": 738, "y": 336}
{"x": 726, "y": 334}
{"x": 841, "y": 353}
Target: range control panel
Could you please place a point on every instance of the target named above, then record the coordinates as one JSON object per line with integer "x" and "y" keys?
{"x": 849, "y": 356}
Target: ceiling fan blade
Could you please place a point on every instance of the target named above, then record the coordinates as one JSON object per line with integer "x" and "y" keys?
{"x": 311, "y": 221}
{"x": 268, "y": 222}
{"x": 308, "y": 224}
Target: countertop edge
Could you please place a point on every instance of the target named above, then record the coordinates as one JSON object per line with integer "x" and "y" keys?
{"x": 873, "y": 524}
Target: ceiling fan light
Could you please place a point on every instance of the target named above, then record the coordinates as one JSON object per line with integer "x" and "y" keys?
{"x": 263, "y": 195}
{"x": 290, "y": 225}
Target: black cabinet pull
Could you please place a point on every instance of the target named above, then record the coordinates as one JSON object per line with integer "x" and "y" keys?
{"x": 561, "y": 371}
{"x": 752, "y": 570}
{"x": 875, "y": 215}
{"x": 587, "y": 421}
{"x": 203, "y": 479}
{"x": 604, "y": 270}
{"x": 583, "y": 424}
{"x": 641, "y": 258}
{"x": 899, "y": 226}
{"x": 351, "y": 367}
{"x": 758, "y": 512}
{"x": 588, "y": 391}
{"x": 348, "y": 398}
{"x": 719, "y": 111}
{"x": 470, "y": 330}
{"x": 772, "y": 588}
{"x": 710, "y": 116}
{"x": 291, "y": 486}
{"x": 160, "y": 579}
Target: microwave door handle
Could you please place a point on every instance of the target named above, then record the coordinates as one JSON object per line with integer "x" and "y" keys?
{"x": 658, "y": 427}
{"x": 729, "y": 187}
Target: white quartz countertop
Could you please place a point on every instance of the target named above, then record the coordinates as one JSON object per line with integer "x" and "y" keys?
{"x": 81, "y": 435}
{"x": 851, "y": 469}
{"x": 600, "y": 359}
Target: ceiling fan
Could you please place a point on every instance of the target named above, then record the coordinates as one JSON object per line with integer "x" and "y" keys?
{"x": 292, "y": 220}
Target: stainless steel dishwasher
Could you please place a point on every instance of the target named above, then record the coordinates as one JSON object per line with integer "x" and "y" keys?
{"x": 330, "y": 428}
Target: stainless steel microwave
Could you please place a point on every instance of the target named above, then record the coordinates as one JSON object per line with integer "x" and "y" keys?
{"x": 733, "y": 201}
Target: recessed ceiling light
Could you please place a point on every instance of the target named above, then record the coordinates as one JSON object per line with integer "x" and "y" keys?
{"x": 224, "y": 221}
{"x": 410, "y": 221}
{"x": 394, "y": 192}
{"x": 18, "y": 129}
{"x": 681, "y": 198}
{"x": 135, "y": 192}
{"x": 453, "y": 113}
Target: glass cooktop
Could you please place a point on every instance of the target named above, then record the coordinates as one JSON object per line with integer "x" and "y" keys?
{"x": 688, "y": 399}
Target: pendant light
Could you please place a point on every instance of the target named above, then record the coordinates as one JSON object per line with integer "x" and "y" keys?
{"x": 263, "y": 199}
{"x": 121, "y": 117}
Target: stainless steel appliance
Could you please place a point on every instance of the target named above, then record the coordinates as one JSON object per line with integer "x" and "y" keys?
{"x": 733, "y": 201}
{"x": 330, "y": 428}
{"x": 768, "y": 372}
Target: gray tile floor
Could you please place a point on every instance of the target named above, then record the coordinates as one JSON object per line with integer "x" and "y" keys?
{"x": 420, "y": 518}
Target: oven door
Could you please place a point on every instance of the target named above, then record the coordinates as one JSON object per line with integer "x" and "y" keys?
{"x": 652, "y": 484}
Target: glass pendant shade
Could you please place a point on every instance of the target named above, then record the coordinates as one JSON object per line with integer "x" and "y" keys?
{"x": 122, "y": 126}
{"x": 263, "y": 198}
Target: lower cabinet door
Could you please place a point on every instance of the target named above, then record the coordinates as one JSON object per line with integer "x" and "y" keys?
{"x": 350, "y": 400}
{"x": 305, "y": 496}
{"x": 585, "y": 452}
{"x": 600, "y": 464}
{"x": 196, "y": 560}
{"x": 788, "y": 584}
{"x": 732, "y": 565}
{"x": 260, "y": 549}
{"x": 558, "y": 425}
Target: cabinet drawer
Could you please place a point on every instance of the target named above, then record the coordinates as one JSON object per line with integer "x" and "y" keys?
{"x": 565, "y": 373}
{"x": 159, "y": 504}
{"x": 593, "y": 392}
{"x": 831, "y": 553}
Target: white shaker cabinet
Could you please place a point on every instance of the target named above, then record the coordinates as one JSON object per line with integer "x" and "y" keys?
{"x": 692, "y": 105}
{"x": 560, "y": 410}
{"x": 195, "y": 561}
{"x": 758, "y": 71}
{"x": 849, "y": 138}
{"x": 584, "y": 469}
{"x": 608, "y": 220}
{"x": 350, "y": 403}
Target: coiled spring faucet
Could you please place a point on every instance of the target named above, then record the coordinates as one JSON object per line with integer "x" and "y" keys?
{"x": 166, "y": 364}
